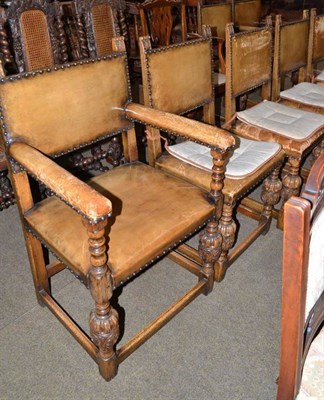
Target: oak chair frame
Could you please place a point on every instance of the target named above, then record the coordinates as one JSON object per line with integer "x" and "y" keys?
{"x": 291, "y": 179}
{"x": 296, "y": 334}
{"x": 95, "y": 209}
{"x": 315, "y": 43}
{"x": 233, "y": 191}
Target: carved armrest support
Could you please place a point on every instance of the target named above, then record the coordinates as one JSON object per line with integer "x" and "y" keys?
{"x": 207, "y": 135}
{"x": 77, "y": 194}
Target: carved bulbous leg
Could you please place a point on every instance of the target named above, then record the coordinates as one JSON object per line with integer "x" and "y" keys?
{"x": 209, "y": 249}
{"x": 270, "y": 196}
{"x": 291, "y": 185}
{"x": 103, "y": 321}
{"x": 227, "y": 228}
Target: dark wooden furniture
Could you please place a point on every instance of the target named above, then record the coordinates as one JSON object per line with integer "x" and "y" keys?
{"x": 162, "y": 23}
{"x": 127, "y": 208}
{"x": 302, "y": 286}
{"x": 248, "y": 67}
{"x": 178, "y": 79}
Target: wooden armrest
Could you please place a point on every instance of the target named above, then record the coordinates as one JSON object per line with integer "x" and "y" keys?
{"x": 210, "y": 136}
{"x": 67, "y": 187}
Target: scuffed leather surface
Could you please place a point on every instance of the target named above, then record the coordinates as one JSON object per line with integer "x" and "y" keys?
{"x": 319, "y": 38}
{"x": 62, "y": 109}
{"x": 293, "y": 46}
{"x": 178, "y": 84}
{"x": 151, "y": 211}
{"x": 75, "y": 192}
{"x": 248, "y": 12}
{"x": 251, "y": 60}
{"x": 217, "y": 16}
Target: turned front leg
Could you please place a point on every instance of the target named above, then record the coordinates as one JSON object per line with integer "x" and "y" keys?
{"x": 103, "y": 320}
{"x": 270, "y": 195}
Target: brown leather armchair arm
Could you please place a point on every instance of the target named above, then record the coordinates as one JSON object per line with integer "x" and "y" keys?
{"x": 67, "y": 187}
{"x": 210, "y": 136}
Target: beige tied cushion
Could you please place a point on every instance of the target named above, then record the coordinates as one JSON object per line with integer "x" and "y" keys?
{"x": 248, "y": 157}
{"x": 312, "y": 387}
{"x": 285, "y": 121}
{"x": 306, "y": 93}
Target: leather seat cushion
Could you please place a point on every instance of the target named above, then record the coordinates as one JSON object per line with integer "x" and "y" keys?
{"x": 285, "y": 121}
{"x": 151, "y": 212}
{"x": 247, "y": 157}
{"x": 306, "y": 93}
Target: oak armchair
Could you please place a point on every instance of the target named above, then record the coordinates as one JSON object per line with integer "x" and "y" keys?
{"x": 126, "y": 210}
{"x": 178, "y": 79}
{"x": 302, "y": 316}
{"x": 249, "y": 66}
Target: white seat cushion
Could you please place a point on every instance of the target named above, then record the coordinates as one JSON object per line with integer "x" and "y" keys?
{"x": 312, "y": 387}
{"x": 218, "y": 79}
{"x": 286, "y": 121}
{"x": 306, "y": 93}
{"x": 315, "y": 281}
{"x": 248, "y": 157}
{"x": 320, "y": 77}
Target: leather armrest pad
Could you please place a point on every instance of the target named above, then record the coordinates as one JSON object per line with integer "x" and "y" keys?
{"x": 70, "y": 189}
{"x": 210, "y": 136}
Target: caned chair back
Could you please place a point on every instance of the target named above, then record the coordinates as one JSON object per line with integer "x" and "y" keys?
{"x": 100, "y": 25}
{"x": 247, "y": 13}
{"x": 34, "y": 40}
{"x": 39, "y": 116}
{"x": 303, "y": 280}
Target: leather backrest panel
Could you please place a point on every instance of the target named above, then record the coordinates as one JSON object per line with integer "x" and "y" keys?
{"x": 251, "y": 54}
{"x": 319, "y": 38}
{"x": 293, "y": 46}
{"x": 180, "y": 77}
{"x": 248, "y": 12}
{"x": 65, "y": 109}
{"x": 217, "y": 16}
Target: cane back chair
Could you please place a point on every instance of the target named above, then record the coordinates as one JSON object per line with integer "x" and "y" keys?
{"x": 290, "y": 55}
{"x": 248, "y": 66}
{"x": 315, "y": 47}
{"x": 37, "y": 42}
{"x": 130, "y": 204}
{"x": 189, "y": 88}
{"x": 301, "y": 356}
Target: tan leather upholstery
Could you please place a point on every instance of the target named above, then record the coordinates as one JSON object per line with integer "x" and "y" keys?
{"x": 251, "y": 56}
{"x": 140, "y": 227}
{"x": 175, "y": 83}
{"x": 39, "y": 114}
{"x": 319, "y": 38}
{"x": 293, "y": 53}
{"x": 248, "y": 13}
{"x": 217, "y": 16}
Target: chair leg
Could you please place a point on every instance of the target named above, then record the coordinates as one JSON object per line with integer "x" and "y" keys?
{"x": 270, "y": 196}
{"x": 209, "y": 249}
{"x": 103, "y": 321}
{"x": 317, "y": 152}
{"x": 291, "y": 182}
{"x": 227, "y": 228}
